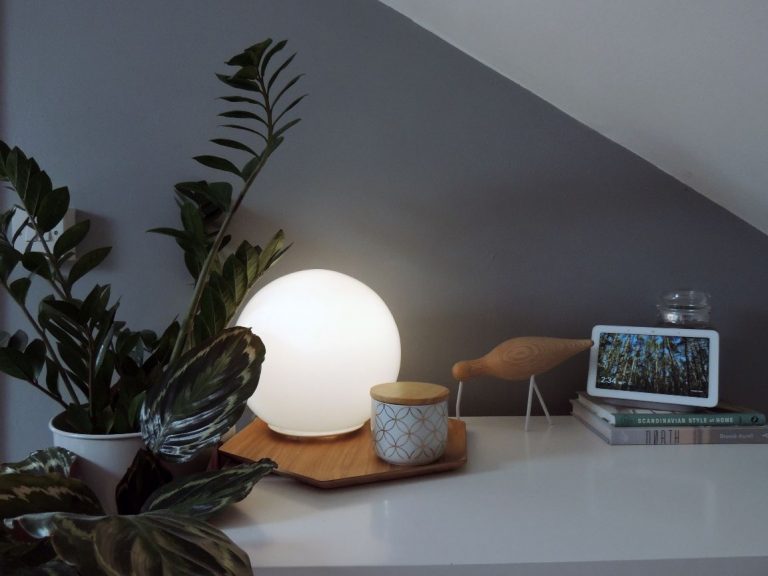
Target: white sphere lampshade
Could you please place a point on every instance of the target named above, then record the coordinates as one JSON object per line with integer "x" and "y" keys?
{"x": 329, "y": 338}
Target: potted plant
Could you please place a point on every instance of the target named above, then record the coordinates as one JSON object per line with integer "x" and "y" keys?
{"x": 186, "y": 387}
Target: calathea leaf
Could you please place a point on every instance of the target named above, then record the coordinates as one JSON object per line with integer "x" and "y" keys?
{"x": 151, "y": 543}
{"x": 203, "y": 395}
{"x": 55, "y": 460}
{"x": 29, "y": 493}
{"x": 203, "y": 494}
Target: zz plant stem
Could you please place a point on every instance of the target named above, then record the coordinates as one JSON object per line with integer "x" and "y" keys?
{"x": 202, "y": 280}
{"x": 252, "y": 63}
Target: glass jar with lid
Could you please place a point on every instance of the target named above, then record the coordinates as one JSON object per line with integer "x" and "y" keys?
{"x": 684, "y": 309}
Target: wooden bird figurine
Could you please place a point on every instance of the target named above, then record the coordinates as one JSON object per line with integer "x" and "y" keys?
{"x": 519, "y": 359}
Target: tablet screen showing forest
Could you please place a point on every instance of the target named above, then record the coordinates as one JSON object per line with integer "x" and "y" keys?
{"x": 675, "y": 365}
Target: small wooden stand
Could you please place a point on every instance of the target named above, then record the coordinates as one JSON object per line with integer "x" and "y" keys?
{"x": 344, "y": 460}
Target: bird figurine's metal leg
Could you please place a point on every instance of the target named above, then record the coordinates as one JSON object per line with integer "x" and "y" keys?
{"x": 531, "y": 389}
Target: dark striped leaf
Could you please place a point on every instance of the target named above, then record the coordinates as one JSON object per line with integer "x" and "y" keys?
{"x": 202, "y": 494}
{"x": 151, "y": 543}
{"x": 53, "y": 460}
{"x": 203, "y": 396}
{"x": 26, "y": 493}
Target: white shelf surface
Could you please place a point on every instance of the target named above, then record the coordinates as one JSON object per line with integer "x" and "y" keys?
{"x": 554, "y": 500}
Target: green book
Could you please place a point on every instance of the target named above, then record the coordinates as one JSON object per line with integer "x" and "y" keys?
{"x": 626, "y": 416}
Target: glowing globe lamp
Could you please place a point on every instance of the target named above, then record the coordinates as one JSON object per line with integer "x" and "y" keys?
{"x": 329, "y": 338}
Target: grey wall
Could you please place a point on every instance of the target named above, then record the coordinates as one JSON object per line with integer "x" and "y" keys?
{"x": 475, "y": 209}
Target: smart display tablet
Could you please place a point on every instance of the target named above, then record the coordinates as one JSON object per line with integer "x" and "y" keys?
{"x": 660, "y": 365}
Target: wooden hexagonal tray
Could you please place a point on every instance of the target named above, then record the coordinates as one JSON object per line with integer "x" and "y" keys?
{"x": 340, "y": 461}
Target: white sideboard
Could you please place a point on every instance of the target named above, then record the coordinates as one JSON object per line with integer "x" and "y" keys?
{"x": 554, "y": 500}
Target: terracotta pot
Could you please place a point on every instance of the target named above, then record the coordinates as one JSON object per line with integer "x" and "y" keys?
{"x": 104, "y": 458}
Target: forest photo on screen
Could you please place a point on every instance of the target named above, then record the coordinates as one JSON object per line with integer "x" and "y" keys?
{"x": 673, "y": 365}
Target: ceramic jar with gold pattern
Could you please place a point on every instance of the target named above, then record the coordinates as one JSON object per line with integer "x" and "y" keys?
{"x": 409, "y": 422}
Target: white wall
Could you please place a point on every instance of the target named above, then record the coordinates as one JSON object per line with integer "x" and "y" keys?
{"x": 682, "y": 83}
{"x": 476, "y": 210}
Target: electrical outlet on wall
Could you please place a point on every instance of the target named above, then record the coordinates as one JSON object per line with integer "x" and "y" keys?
{"x": 29, "y": 236}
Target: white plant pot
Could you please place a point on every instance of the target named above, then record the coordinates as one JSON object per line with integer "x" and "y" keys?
{"x": 104, "y": 459}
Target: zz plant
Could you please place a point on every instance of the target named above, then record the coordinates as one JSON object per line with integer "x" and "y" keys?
{"x": 183, "y": 389}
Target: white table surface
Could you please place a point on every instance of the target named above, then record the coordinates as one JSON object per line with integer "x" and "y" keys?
{"x": 555, "y": 500}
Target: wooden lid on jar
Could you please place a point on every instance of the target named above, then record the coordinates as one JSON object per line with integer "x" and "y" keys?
{"x": 409, "y": 393}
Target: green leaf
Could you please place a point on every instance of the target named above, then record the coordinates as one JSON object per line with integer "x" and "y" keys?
{"x": 54, "y": 460}
{"x": 245, "y": 129}
{"x": 19, "y": 288}
{"x": 286, "y": 127}
{"x": 77, "y": 420}
{"x": 288, "y": 108}
{"x": 51, "y": 209}
{"x": 252, "y": 55}
{"x": 193, "y": 223}
{"x": 240, "y": 84}
{"x": 151, "y": 543}
{"x": 71, "y": 238}
{"x": 29, "y": 494}
{"x": 16, "y": 364}
{"x": 202, "y": 494}
{"x": 270, "y": 54}
{"x": 203, "y": 396}
{"x": 36, "y": 263}
{"x": 285, "y": 89}
{"x": 242, "y": 99}
{"x": 234, "y": 144}
{"x": 244, "y": 114}
{"x": 276, "y": 73}
{"x": 144, "y": 477}
{"x": 251, "y": 167}
{"x": 218, "y": 163}
{"x": 86, "y": 263}
{"x": 52, "y": 377}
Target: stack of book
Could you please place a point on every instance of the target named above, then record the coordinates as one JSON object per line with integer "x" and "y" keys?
{"x": 724, "y": 424}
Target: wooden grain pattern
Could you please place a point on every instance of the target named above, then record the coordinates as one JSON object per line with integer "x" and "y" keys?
{"x": 410, "y": 393}
{"x": 342, "y": 461}
{"x": 521, "y": 358}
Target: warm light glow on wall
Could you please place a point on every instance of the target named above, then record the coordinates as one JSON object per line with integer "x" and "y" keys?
{"x": 329, "y": 338}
